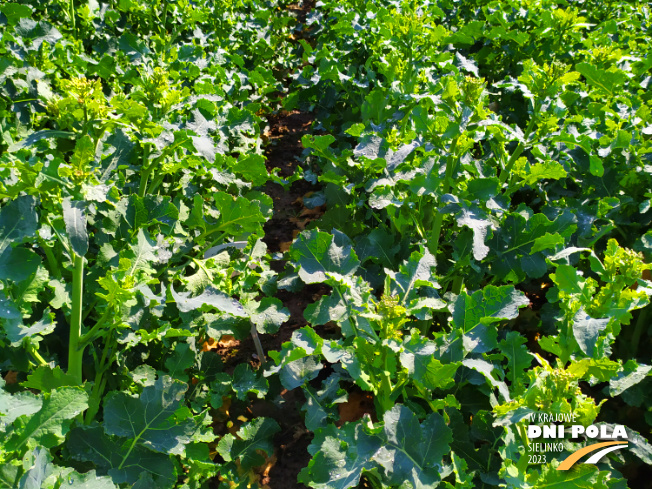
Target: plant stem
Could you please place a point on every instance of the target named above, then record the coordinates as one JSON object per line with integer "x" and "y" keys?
{"x": 72, "y": 15}
{"x": 259, "y": 346}
{"x": 145, "y": 173}
{"x": 52, "y": 261}
{"x": 433, "y": 242}
{"x": 36, "y": 355}
{"x": 90, "y": 336}
{"x": 75, "y": 350}
{"x": 504, "y": 175}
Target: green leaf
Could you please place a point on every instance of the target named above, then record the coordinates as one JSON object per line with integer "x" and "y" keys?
{"x": 73, "y": 216}
{"x": 595, "y": 166}
{"x": 238, "y": 215}
{"x": 339, "y": 457}
{"x": 605, "y": 80}
{"x": 580, "y": 476}
{"x": 49, "y": 425}
{"x": 16, "y": 405}
{"x": 18, "y": 264}
{"x": 298, "y": 372}
{"x": 149, "y": 419}
{"x": 211, "y": 297}
{"x": 37, "y": 136}
{"x": 15, "y": 11}
{"x": 268, "y": 315}
{"x": 547, "y": 241}
{"x": 252, "y": 436}
{"x": 586, "y": 331}
{"x": 320, "y": 405}
{"x": 16, "y": 332}
{"x": 18, "y": 220}
{"x": 418, "y": 358}
{"x": 626, "y": 379}
{"x": 90, "y": 444}
{"x": 518, "y": 356}
{"x": 252, "y": 168}
{"x": 84, "y": 152}
{"x": 321, "y": 254}
{"x": 246, "y": 380}
{"x": 471, "y": 313}
{"x": 411, "y": 451}
{"x": 46, "y": 379}
{"x": 513, "y": 241}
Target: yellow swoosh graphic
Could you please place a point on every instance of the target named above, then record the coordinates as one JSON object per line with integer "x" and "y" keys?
{"x": 574, "y": 457}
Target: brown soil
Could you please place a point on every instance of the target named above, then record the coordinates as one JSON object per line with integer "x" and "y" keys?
{"x": 283, "y": 152}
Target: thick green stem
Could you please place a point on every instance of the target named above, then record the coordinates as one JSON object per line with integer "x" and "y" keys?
{"x": 52, "y": 261}
{"x": 75, "y": 350}
{"x": 504, "y": 175}
{"x": 146, "y": 170}
{"x": 451, "y": 163}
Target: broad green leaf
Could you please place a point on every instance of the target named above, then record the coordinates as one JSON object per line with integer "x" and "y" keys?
{"x": 418, "y": 358}
{"x": 37, "y": 136}
{"x": 586, "y": 331}
{"x": 50, "y": 424}
{"x": 414, "y": 273}
{"x": 90, "y": 444}
{"x": 18, "y": 220}
{"x": 487, "y": 306}
{"x": 486, "y": 369}
{"x": 14, "y": 11}
{"x": 605, "y": 80}
{"x": 298, "y": 372}
{"x": 512, "y": 244}
{"x": 16, "y": 405}
{"x": 626, "y": 379}
{"x": 17, "y": 264}
{"x": 73, "y": 216}
{"x": 84, "y": 153}
{"x": 252, "y": 168}
{"x": 321, "y": 254}
{"x": 413, "y": 451}
{"x": 268, "y": 315}
{"x": 148, "y": 419}
{"x": 16, "y": 332}
{"x": 45, "y": 379}
{"x": 251, "y": 437}
{"x": 246, "y": 380}
{"x": 211, "y": 297}
{"x": 320, "y": 405}
{"x": 340, "y": 456}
